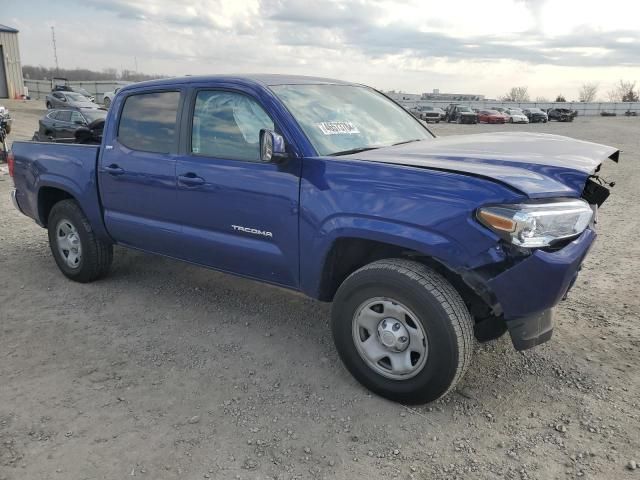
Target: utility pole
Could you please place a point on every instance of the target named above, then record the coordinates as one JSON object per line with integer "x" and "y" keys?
{"x": 55, "y": 50}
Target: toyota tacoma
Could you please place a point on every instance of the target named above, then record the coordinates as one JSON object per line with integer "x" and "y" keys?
{"x": 424, "y": 244}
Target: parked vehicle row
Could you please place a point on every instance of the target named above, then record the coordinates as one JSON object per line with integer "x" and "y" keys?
{"x": 497, "y": 115}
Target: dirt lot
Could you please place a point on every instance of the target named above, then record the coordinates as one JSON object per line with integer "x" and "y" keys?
{"x": 164, "y": 370}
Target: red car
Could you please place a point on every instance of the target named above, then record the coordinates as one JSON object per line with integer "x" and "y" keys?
{"x": 491, "y": 116}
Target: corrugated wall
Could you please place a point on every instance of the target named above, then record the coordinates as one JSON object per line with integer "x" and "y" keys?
{"x": 12, "y": 65}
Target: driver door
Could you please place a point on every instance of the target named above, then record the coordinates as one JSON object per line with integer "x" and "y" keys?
{"x": 237, "y": 213}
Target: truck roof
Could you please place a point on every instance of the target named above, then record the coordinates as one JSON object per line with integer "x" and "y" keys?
{"x": 266, "y": 79}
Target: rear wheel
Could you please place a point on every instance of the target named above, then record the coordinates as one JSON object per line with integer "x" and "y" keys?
{"x": 79, "y": 254}
{"x": 107, "y": 102}
{"x": 49, "y": 106}
{"x": 402, "y": 330}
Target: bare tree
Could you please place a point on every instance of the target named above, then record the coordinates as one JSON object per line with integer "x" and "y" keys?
{"x": 627, "y": 89}
{"x": 588, "y": 92}
{"x": 560, "y": 98}
{"x": 516, "y": 94}
{"x": 542, "y": 100}
{"x": 624, "y": 91}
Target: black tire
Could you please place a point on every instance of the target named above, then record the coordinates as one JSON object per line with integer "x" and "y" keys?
{"x": 439, "y": 309}
{"x": 107, "y": 102}
{"x": 96, "y": 255}
{"x": 49, "y": 106}
{"x": 7, "y": 128}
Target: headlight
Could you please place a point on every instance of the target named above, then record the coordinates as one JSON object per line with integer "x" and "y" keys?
{"x": 537, "y": 224}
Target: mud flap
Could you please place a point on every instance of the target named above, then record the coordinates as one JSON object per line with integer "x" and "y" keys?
{"x": 527, "y": 332}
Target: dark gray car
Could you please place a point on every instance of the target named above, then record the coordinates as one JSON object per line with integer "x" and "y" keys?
{"x": 61, "y": 125}
{"x": 69, "y": 100}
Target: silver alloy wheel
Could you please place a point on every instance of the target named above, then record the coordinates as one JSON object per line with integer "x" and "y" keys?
{"x": 390, "y": 338}
{"x": 68, "y": 243}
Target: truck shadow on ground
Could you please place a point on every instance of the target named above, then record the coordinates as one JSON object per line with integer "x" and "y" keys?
{"x": 274, "y": 317}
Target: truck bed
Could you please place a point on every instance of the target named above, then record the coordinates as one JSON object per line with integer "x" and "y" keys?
{"x": 41, "y": 168}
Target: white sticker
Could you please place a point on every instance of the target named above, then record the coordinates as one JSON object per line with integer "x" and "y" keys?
{"x": 338, "y": 128}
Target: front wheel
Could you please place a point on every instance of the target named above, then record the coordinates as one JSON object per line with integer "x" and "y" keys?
{"x": 107, "y": 102}
{"x": 402, "y": 330}
{"x": 79, "y": 254}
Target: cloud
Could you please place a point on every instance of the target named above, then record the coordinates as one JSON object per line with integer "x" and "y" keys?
{"x": 359, "y": 26}
{"x": 462, "y": 45}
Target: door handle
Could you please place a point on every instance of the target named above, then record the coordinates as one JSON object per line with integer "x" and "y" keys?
{"x": 191, "y": 179}
{"x": 114, "y": 169}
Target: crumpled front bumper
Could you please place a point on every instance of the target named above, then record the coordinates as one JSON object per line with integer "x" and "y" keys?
{"x": 529, "y": 290}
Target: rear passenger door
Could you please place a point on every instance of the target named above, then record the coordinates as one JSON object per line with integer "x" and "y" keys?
{"x": 137, "y": 171}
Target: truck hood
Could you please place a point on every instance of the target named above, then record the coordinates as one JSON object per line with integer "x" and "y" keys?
{"x": 536, "y": 164}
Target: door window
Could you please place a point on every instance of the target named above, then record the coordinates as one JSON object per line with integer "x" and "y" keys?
{"x": 148, "y": 122}
{"x": 77, "y": 117}
{"x": 227, "y": 125}
{"x": 64, "y": 116}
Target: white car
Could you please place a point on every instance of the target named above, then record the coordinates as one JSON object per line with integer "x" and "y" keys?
{"x": 516, "y": 115}
{"x": 107, "y": 97}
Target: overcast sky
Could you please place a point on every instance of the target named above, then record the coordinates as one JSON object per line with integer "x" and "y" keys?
{"x": 461, "y": 46}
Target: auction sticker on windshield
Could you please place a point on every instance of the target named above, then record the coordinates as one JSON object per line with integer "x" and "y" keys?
{"x": 338, "y": 128}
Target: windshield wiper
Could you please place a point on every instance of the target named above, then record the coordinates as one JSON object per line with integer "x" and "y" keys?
{"x": 353, "y": 150}
{"x": 407, "y": 141}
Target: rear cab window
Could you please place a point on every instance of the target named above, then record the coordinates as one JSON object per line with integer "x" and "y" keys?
{"x": 148, "y": 121}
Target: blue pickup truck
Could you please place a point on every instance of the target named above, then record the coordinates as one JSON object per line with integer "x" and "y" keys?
{"x": 423, "y": 244}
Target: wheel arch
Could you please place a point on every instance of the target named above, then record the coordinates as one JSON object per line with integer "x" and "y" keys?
{"x": 48, "y": 196}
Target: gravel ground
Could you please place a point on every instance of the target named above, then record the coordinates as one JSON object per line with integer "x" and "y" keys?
{"x": 165, "y": 370}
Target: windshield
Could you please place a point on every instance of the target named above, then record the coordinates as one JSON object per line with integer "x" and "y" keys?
{"x": 464, "y": 109}
{"x": 345, "y": 118}
{"x": 76, "y": 97}
{"x": 536, "y": 110}
{"x": 427, "y": 109}
{"x": 514, "y": 110}
{"x": 93, "y": 115}
{"x": 82, "y": 91}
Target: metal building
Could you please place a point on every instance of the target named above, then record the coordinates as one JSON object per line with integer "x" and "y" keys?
{"x": 11, "y": 83}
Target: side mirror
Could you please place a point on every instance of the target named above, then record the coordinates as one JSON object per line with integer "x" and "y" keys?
{"x": 271, "y": 146}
